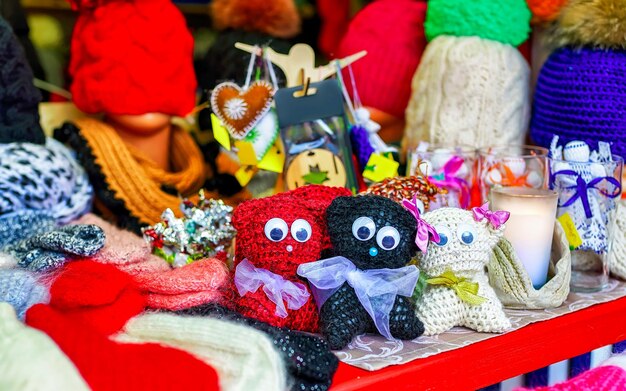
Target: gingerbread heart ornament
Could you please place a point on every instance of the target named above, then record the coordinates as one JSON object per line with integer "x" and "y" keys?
{"x": 240, "y": 110}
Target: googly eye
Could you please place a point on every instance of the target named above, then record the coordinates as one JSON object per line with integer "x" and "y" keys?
{"x": 301, "y": 230}
{"x": 444, "y": 235}
{"x": 276, "y": 229}
{"x": 388, "y": 238}
{"x": 466, "y": 234}
{"x": 363, "y": 228}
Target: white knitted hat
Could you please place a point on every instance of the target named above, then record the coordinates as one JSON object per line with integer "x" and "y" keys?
{"x": 30, "y": 360}
{"x": 617, "y": 258}
{"x": 469, "y": 90}
{"x": 244, "y": 358}
{"x": 455, "y": 254}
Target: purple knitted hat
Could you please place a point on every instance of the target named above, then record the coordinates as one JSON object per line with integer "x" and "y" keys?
{"x": 581, "y": 95}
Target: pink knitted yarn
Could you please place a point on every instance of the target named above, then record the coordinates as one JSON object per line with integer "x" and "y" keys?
{"x": 127, "y": 251}
{"x": 194, "y": 284}
{"x": 605, "y": 378}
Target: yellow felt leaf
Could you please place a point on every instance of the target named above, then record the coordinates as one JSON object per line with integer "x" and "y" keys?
{"x": 274, "y": 159}
{"x": 245, "y": 153}
{"x": 571, "y": 233}
{"x": 379, "y": 167}
{"x": 220, "y": 132}
{"x": 244, "y": 174}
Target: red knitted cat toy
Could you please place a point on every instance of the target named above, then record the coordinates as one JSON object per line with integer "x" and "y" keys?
{"x": 274, "y": 236}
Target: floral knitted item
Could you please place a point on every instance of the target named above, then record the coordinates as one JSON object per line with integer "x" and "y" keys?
{"x": 274, "y": 236}
{"x": 123, "y": 249}
{"x": 31, "y": 360}
{"x": 98, "y": 295}
{"x": 309, "y": 361}
{"x": 107, "y": 365}
{"x": 484, "y": 82}
{"x": 22, "y": 289}
{"x": 458, "y": 291}
{"x": 47, "y": 251}
{"x": 43, "y": 177}
{"x": 581, "y": 95}
{"x": 506, "y": 21}
{"x": 373, "y": 238}
{"x": 198, "y": 283}
{"x": 244, "y": 358}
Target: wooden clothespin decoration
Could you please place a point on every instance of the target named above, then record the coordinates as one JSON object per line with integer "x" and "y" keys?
{"x": 301, "y": 56}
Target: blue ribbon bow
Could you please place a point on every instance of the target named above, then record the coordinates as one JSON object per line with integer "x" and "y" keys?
{"x": 582, "y": 189}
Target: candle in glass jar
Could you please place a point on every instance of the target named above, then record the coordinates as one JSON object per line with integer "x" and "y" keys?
{"x": 530, "y": 226}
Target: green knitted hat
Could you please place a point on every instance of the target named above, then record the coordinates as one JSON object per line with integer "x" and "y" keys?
{"x": 506, "y": 21}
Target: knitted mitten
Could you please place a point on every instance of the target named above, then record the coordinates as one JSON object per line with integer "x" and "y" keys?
{"x": 21, "y": 289}
{"x": 47, "y": 251}
{"x": 107, "y": 365}
{"x": 309, "y": 361}
{"x": 458, "y": 291}
{"x": 197, "y": 283}
{"x": 244, "y": 358}
{"x": 277, "y": 234}
{"x": 124, "y": 249}
{"x": 100, "y": 296}
{"x": 373, "y": 233}
{"x": 31, "y": 361}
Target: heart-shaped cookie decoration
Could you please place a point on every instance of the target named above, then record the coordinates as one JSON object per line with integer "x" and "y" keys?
{"x": 240, "y": 110}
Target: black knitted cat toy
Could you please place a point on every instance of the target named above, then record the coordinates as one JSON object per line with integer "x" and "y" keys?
{"x": 366, "y": 286}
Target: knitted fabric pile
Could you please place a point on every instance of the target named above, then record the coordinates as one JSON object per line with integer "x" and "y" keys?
{"x": 31, "y": 360}
{"x": 470, "y": 70}
{"x": 382, "y": 77}
{"x": 310, "y": 363}
{"x": 245, "y": 359}
{"x": 581, "y": 90}
{"x": 22, "y": 289}
{"x": 19, "y": 99}
{"x": 274, "y": 236}
{"x": 459, "y": 293}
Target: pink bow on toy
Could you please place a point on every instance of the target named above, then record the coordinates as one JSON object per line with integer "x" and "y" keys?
{"x": 249, "y": 278}
{"x": 497, "y": 218}
{"x": 425, "y": 231}
{"x": 447, "y": 180}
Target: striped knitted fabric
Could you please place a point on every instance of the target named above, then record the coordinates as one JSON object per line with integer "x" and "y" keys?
{"x": 581, "y": 95}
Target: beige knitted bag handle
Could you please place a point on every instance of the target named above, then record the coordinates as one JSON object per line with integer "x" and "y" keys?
{"x": 512, "y": 284}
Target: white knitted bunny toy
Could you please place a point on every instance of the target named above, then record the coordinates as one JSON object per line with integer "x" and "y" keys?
{"x": 457, "y": 292}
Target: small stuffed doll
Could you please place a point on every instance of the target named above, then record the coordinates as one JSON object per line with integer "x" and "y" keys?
{"x": 457, "y": 291}
{"x": 274, "y": 236}
{"x": 366, "y": 286}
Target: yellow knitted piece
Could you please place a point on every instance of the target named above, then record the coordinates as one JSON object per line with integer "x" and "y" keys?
{"x": 439, "y": 307}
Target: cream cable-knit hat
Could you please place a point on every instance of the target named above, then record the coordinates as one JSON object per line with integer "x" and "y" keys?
{"x": 30, "y": 361}
{"x": 617, "y": 258}
{"x": 244, "y": 358}
{"x": 471, "y": 91}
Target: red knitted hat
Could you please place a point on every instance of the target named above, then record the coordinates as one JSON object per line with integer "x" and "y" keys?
{"x": 132, "y": 57}
{"x": 97, "y": 294}
{"x": 392, "y": 32}
{"x": 107, "y": 365}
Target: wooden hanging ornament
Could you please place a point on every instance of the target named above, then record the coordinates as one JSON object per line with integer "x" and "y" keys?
{"x": 241, "y": 109}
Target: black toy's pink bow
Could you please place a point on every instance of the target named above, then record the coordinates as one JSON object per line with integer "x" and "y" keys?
{"x": 425, "y": 231}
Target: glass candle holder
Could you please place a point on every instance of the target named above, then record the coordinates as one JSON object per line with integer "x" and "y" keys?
{"x": 450, "y": 167}
{"x": 522, "y": 166}
{"x": 530, "y": 226}
{"x": 588, "y": 196}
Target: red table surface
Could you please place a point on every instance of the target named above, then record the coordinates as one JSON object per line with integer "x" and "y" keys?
{"x": 496, "y": 359}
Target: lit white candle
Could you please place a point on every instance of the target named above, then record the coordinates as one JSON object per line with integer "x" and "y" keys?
{"x": 530, "y": 227}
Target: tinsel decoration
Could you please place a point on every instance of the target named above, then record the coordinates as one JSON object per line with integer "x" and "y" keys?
{"x": 204, "y": 231}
